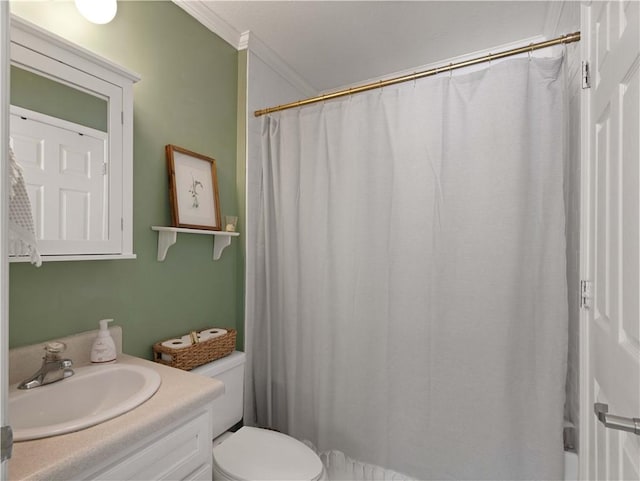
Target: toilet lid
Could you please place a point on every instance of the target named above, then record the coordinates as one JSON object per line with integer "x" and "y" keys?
{"x": 253, "y": 453}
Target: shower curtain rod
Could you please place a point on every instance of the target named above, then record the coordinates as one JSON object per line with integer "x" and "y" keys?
{"x": 564, "y": 39}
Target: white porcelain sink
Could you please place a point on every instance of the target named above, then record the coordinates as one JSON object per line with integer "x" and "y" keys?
{"x": 91, "y": 396}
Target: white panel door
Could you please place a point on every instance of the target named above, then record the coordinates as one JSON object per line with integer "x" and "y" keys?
{"x": 67, "y": 179}
{"x": 612, "y": 240}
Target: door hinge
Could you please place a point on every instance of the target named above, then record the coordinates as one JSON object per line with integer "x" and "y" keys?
{"x": 6, "y": 443}
{"x": 104, "y": 168}
{"x": 585, "y": 294}
{"x": 586, "y": 75}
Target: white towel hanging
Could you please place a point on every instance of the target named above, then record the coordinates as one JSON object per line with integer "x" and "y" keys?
{"x": 22, "y": 238}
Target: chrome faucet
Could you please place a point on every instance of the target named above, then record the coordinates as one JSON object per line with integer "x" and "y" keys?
{"x": 53, "y": 367}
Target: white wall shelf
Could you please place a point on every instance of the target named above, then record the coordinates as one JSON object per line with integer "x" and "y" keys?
{"x": 167, "y": 236}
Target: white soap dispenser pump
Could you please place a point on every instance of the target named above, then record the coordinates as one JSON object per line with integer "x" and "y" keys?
{"x": 104, "y": 349}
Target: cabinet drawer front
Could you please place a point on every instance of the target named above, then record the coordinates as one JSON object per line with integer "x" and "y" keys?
{"x": 173, "y": 454}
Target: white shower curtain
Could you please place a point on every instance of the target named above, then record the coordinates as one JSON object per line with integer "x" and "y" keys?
{"x": 410, "y": 292}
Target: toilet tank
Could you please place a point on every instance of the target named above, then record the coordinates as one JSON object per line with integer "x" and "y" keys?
{"x": 227, "y": 408}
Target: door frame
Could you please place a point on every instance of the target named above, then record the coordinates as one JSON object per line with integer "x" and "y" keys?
{"x": 4, "y": 219}
{"x": 585, "y": 225}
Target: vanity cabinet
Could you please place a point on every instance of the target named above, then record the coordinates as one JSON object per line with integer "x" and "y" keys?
{"x": 166, "y": 437}
{"x": 180, "y": 451}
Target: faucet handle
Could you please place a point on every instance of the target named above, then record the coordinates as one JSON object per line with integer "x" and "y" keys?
{"x": 52, "y": 349}
{"x": 55, "y": 347}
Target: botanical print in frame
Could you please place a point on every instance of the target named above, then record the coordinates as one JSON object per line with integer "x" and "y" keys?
{"x": 193, "y": 189}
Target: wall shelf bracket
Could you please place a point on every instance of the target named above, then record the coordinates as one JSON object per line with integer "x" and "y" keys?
{"x": 167, "y": 236}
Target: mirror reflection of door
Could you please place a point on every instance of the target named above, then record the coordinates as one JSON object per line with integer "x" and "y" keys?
{"x": 59, "y": 136}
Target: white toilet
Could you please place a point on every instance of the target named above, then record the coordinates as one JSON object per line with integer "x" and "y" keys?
{"x": 252, "y": 453}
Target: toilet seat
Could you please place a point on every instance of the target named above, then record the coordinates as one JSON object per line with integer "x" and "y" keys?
{"x": 254, "y": 453}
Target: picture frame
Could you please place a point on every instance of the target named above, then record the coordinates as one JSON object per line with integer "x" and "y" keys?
{"x": 193, "y": 189}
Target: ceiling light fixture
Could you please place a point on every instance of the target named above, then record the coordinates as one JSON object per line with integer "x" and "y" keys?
{"x": 97, "y": 11}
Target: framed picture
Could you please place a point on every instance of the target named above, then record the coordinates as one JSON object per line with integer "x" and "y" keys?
{"x": 193, "y": 189}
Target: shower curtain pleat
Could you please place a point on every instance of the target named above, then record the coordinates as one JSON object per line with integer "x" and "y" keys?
{"x": 410, "y": 296}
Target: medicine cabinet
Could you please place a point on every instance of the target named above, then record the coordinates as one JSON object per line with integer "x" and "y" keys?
{"x": 72, "y": 132}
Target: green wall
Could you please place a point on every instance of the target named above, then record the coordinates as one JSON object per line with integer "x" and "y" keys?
{"x": 188, "y": 97}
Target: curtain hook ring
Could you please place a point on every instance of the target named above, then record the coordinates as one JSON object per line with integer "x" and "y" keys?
{"x": 490, "y": 59}
{"x": 450, "y": 70}
{"x": 530, "y": 51}
{"x": 350, "y": 95}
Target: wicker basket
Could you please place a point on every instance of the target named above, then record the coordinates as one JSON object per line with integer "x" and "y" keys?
{"x": 197, "y": 354}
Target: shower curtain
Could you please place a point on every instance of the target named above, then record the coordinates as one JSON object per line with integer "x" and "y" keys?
{"x": 410, "y": 302}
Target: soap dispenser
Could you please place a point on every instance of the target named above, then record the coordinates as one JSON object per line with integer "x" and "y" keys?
{"x": 104, "y": 349}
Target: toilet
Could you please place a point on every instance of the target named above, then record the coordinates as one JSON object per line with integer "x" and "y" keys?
{"x": 252, "y": 453}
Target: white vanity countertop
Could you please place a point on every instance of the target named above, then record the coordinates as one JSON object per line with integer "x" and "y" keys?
{"x": 67, "y": 456}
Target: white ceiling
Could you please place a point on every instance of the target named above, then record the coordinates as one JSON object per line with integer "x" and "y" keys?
{"x": 331, "y": 44}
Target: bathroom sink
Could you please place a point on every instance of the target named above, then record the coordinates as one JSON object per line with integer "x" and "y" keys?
{"x": 93, "y": 395}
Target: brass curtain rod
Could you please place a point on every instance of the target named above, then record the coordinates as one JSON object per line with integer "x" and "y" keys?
{"x": 564, "y": 39}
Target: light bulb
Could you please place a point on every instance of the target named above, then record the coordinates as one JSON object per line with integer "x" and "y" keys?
{"x": 97, "y": 11}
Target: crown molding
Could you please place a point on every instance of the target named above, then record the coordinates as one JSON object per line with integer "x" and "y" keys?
{"x": 243, "y": 44}
{"x": 271, "y": 58}
{"x": 198, "y": 9}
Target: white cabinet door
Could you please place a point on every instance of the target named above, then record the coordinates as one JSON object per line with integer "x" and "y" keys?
{"x": 43, "y": 53}
{"x": 611, "y": 236}
{"x": 181, "y": 451}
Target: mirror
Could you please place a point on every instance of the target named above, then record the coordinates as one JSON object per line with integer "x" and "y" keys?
{"x": 57, "y": 99}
